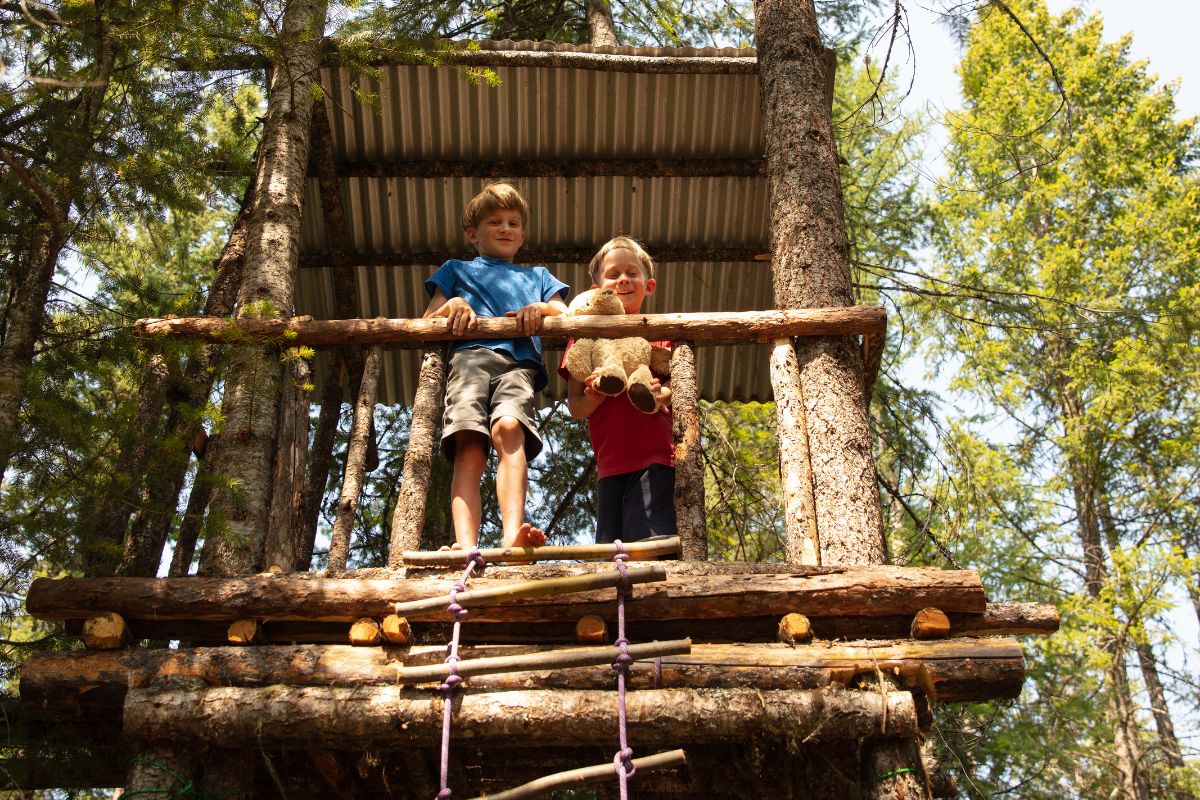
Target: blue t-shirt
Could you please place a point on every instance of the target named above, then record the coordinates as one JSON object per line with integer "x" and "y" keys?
{"x": 493, "y": 287}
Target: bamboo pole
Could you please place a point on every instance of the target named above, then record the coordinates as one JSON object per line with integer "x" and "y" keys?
{"x": 409, "y": 516}
{"x": 727, "y": 325}
{"x": 547, "y": 587}
{"x": 690, "y": 517}
{"x": 356, "y": 456}
{"x": 573, "y": 552}
{"x": 586, "y": 776}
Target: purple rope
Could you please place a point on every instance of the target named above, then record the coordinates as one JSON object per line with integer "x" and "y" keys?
{"x": 623, "y": 760}
{"x": 452, "y": 681}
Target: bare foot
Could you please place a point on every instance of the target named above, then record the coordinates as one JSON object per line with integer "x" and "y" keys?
{"x": 455, "y": 546}
{"x": 529, "y": 536}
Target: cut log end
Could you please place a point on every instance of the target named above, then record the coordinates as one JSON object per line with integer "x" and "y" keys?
{"x": 396, "y": 630}
{"x": 365, "y": 632}
{"x": 930, "y": 623}
{"x": 795, "y": 628}
{"x": 591, "y": 630}
{"x": 106, "y": 631}
{"x": 243, "y": 631}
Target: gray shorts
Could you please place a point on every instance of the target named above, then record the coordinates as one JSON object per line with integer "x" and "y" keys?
{"x": 483, "y": 385}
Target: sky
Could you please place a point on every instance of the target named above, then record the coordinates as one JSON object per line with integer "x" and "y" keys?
{"x": 1163, "y": 34}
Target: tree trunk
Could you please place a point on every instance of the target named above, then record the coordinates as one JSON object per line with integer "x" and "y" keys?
{"x": 795, "y": 462}
{"x": 238, "y": 514}
{"x": 1169, "y": 742}
{"x": 601, "y": 30}
{"x": 321, "y": 457}
{"x": 31, "y": 285}
{"x": 811, "y": 268}
{"x": 160, "y": 770}
{"x": 356, "y": 455}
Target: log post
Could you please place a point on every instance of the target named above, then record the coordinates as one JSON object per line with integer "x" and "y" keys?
{"x": 286, "y": 515}
{"x": 689, "y": 462}
{"x": 811, "y": 268}
{"x": 801, "y": 540}
{"x": 409, "y": 517}
{"x": 396, "y": 630}
{"x": 930, "y": 623}
{"x": 106, "y": 631}
{"x": 356, "y": 457}
{"x": 795, "y": 628}
{"x": 365, "y": 632}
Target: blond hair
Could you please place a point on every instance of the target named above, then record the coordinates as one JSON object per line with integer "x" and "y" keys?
{"x": 495, "y": 196}
{"x": 621, "y": 243}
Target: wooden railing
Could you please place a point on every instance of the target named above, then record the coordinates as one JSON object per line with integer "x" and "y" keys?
{"x": 685, "y": 330}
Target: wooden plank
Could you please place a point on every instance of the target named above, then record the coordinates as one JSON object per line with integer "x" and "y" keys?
{"x": 744, "y": 326}
{"x": 683, "y": 595}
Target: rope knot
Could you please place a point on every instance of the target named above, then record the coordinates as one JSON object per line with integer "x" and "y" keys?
{"x": 476, "y": 559}
{"x": 624, "y": 586}
{"x": 623, "y": 762}
{"x": 451, "y": 682}
{"x": 444, "y": 794}
{"x": 623, "y": 659}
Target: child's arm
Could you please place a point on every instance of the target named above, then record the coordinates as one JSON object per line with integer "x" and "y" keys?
{"x": 582, "y": 399}
{"x": 529, "y": 318}
{"x": 457, "y": 311}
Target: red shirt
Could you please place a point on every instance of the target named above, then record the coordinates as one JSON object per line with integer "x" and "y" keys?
{"x": 623, "y": 438}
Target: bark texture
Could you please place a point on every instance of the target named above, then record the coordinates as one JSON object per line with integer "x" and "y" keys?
{"x": 801, "y": 540}
{"x": 389, "y": 715}
{"x": 267, "y": 289}
{"x": 409, "y": 517}
{"x": 356, "y": 458}
{"x": 285, "y": 526}
{"x": 689, "y": 459}
{"x": 811, "y": 268}
{"x": 601, "y": 30}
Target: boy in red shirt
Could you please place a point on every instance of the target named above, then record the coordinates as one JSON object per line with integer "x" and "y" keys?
{"x": 635, "y": 452}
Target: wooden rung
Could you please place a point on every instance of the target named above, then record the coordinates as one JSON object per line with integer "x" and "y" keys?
{"x": 586, "y": 776}
{"x": 547, "y": 587}
{"x": 574, "y": 552}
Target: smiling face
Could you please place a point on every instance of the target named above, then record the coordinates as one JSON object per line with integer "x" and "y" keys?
{"x": 499, "y": 234}
{"x": 622, "y": 272}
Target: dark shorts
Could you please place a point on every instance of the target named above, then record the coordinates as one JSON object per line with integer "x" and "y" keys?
{"x": 483, "y": 385}
{"x": 636, "y": 505}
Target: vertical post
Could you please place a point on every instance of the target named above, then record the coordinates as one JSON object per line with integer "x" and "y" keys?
{"x": 811, "y": 268}
{"x": 795, "y": 466}
{"x": 356, "y": 459}
{"x": 601, "y": 30}
{"x": 689, "y": 464}
{"x": 409, "y": 517}
{"x": 286, "y": 518}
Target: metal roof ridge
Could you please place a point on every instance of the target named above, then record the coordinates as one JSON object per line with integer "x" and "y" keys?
{"x": 548, "y": 46}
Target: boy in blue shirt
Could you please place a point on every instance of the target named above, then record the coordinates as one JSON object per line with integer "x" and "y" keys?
{"x": 490, "y": 383}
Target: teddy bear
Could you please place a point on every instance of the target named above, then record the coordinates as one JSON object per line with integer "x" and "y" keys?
{"x": 621, "y": 364}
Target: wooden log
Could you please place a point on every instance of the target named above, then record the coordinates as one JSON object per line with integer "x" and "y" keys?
{"x": 577, "y": 552}
{"x": 528, "y": 590}
{"x": 689, "y": 462}
{"x": 930, "y": 623}
{"x": 586, "y": 776}
{"x": 396, "y": 630}
{"x": 591, "y": 630}
{"x": 347, "y": 718}
{"x": 743, "y": 326}
{"x": 712, "y": 592}
{"x": 106, "y": 631}
{"x": 801, "y": 540}
{"x": 409, "y": 516}
{"x": 967, "y": 669}
{"x": 364, "y": 632}
{"x": 356, "y": 458}
{"x": 243, "y": 631}
{"x": 1041, "y": 620}
{"x": 795, "y": 628}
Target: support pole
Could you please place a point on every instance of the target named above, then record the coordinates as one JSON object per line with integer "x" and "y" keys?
{"x": 801, "y": 540}
{"x": 360, "y": 431}
{"x": 409, "y": 517}
{"x": 689, "y": 461}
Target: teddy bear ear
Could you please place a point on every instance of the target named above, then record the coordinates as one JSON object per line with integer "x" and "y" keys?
{"x": 582, "y": 299}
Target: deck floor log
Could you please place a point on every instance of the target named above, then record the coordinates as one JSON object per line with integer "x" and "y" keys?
{"x": 349, "y": 718}
{"x": 997, "y": 620}
{"x": 684, "y": 595}
{"x": 956, "y": 669}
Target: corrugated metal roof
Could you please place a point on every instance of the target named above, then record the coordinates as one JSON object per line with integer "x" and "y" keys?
{"x": 552, "y": 114}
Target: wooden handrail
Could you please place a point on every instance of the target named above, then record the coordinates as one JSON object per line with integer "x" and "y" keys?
{"x": 725, "y": 327}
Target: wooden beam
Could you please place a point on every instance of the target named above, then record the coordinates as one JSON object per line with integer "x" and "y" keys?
{"x": 664, "y": 253}
{"x": 705, "y": 593}
{"x": 348, "y": 718}
{"x": 582, "y": 552}
{"x": 964, "y": 669}
{"x": 558, "y": 168}
{"x": 744, "y": 326}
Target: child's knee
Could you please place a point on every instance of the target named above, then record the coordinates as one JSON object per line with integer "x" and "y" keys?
{"x": 508, "y": 432}
{"x": 470, "y": 452}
